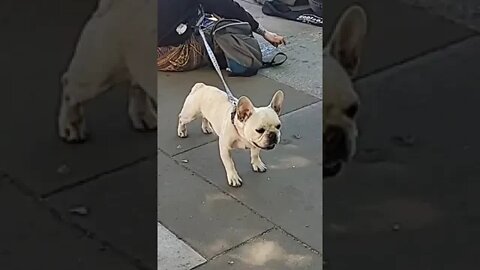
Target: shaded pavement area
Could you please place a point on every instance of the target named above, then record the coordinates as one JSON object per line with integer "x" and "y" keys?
{"x": 409, "y": 200}
{"x": 67, "y": 206}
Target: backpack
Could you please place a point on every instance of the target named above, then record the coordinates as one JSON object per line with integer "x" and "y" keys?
{"x": 240, "y": 53}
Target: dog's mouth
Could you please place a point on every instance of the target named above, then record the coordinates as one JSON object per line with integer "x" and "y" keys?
{"x": 331, "y": 169}
{"x": 268, "y": 147}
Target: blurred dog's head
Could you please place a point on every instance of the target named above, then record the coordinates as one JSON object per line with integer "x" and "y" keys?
{"x": 341, "y": 58}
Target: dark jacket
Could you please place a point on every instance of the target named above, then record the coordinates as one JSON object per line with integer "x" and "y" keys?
{"x": 171, "y": 13}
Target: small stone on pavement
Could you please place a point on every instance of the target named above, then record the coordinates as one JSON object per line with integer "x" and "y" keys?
{"x": 79, "y": 210}
{"x": 63, "y": 169}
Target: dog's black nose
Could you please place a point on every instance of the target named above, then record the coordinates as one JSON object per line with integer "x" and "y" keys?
{"x": 272, "y": 138}
{"x": 335, "y": 143}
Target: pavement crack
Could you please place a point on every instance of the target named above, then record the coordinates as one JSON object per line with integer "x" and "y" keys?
{"x": 181, "y": 238}
{"x": 249, "y": 240}
{"x": 193, "y": 148}
{"x": 65, "y": 221}
{"x": 448, "y": 17}
{"x": 414, "y": 58}
{"x": 95, "y": 177}
{"x": 301, "y": 108}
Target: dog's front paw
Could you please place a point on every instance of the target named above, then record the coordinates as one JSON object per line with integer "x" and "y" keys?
{"x": 182, "y": 131}
{"x": 71, "y": 124}
{"x": 259, "y": 166}
{"x": 234, "y": 180}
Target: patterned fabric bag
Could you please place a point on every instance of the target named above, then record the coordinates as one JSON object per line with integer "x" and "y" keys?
{"x": 184, "y": 57}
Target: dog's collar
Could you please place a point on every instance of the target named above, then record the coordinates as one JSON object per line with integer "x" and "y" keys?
{"x": 232, "y": 118}
{"x": 232, "y": 115}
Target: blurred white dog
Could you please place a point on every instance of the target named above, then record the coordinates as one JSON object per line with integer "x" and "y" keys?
{"x": 116, "y": 45}
{"x": 341, "y": 58}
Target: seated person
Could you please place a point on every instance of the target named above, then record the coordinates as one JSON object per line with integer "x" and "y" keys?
{"x": 185, "y": 51}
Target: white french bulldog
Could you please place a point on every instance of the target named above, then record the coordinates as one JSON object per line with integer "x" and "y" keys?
{"x": 116, "y": 45}
{"x": 240, "y": 127}
{"x": 341, "y": 58}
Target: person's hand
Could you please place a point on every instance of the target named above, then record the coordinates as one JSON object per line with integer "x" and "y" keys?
{"x": 274, "y": 39}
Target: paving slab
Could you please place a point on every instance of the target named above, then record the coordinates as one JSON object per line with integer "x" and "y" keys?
{"x": 174, "y": 87}
{"x": 117, "y": 214}
{"x": 303, "y": 69}
{"x": 30, "y": 148}
{"x": 204, "y": 217}
{"x": 466, "y": 12}
{"x": 397, "y": 32}
{"x": 34, "y": 154}
{"x": 410, "y": 198}
{"x": 271, "y": 251}
{"x": 290, "y": 192}
{"x": 173, "y": 253}
{"x": 32, "y": 236}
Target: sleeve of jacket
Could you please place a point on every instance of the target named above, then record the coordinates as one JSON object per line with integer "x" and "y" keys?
{"x": 229, "y": 9}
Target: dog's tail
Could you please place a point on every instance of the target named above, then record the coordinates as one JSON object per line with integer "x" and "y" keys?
{"x": 197, "y": 86}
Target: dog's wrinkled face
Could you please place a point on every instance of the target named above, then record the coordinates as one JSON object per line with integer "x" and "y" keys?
{"x": 261, "y": 126}
{"x": 341, "y": 58}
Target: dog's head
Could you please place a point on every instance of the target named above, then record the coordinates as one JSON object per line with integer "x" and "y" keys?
{"x": 341, "y": 58}
{"x": 260, "y": 126}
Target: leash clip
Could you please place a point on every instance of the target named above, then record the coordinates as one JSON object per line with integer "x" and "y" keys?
{"x": 181, "y": 29}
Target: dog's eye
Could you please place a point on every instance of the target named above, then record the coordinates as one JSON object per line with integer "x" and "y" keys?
{"x": 260, "y": 130}
{"x": 278, "y": 126}
{"x": 351, "y": 111}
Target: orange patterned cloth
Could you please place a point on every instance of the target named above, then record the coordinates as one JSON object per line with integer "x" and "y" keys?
{"x": 184, "y": 57}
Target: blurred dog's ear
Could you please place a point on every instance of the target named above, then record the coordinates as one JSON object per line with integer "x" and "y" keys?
{"x": 103, "y": 7}
{"x": 347, "y": 39}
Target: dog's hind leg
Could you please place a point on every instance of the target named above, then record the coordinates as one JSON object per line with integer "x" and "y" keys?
{"x": 141, "y": 110}
{"x": 139, "y": 52}
{"x": 206, "y": 126}
{"x": 139, "y": 46}
{"x": 189, "y": 113}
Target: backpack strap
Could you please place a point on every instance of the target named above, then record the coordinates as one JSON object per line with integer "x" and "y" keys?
{"x": 274, "y": 63}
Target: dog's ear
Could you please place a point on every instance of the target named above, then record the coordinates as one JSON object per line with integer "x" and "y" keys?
{"x": 277, "y": 101}
{"x": 103, "y": 7}
{"x": 347, "y": 39}
{"x": 245, "y": 108}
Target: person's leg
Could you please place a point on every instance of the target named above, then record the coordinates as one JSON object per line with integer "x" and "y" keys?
{"x": 184, "y": 57}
